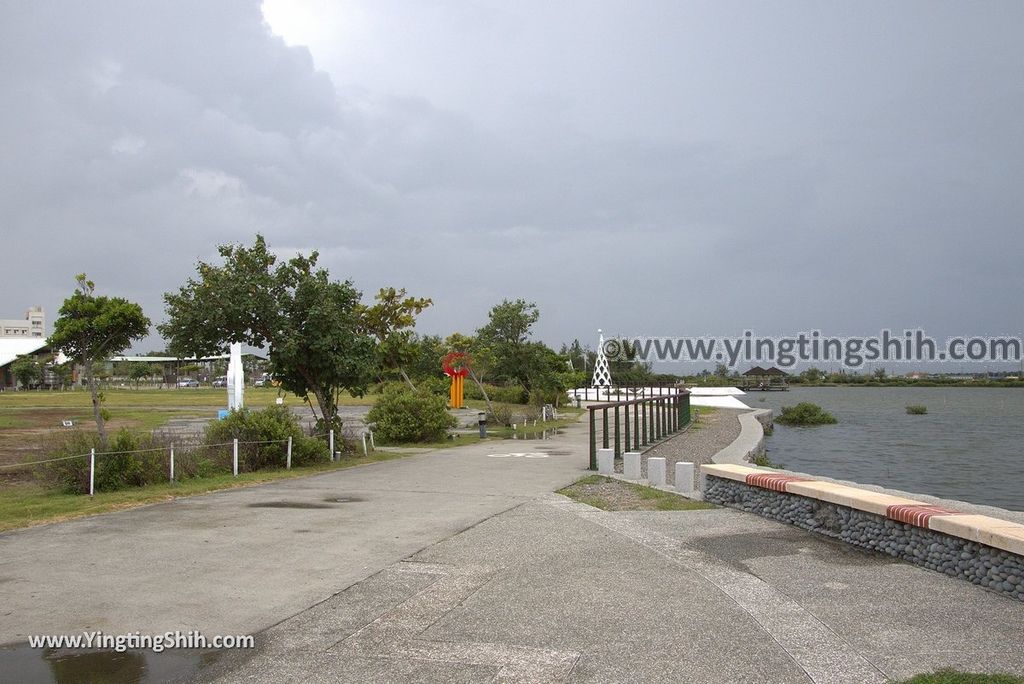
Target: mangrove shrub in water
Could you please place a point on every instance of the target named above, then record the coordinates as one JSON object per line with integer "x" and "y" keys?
{"x": 805, "y": 413}
{"x": 917, "y": 410}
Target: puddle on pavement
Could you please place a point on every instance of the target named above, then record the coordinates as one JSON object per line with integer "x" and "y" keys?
{"x": 28, "y": 665}
{"x": 540, "y": 434}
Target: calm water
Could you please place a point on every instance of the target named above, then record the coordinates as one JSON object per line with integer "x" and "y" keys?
{"x": 970, "y": 445}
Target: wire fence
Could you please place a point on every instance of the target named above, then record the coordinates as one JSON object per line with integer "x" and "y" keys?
{"x": 187, "y": 458}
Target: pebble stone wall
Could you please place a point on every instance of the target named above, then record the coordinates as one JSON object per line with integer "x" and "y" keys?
{"x": 995, "y": 569}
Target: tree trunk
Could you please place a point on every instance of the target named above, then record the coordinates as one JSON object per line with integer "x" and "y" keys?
{"x": 406, "y": 378}
{"x": 490, "y": 407}
{"x": 97, "y": 411}
{"x": 328, "y": 409}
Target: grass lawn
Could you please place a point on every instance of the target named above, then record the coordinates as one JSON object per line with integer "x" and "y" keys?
{"x": 28, "y": 417}
{"x": 175, "y": 397}
{"x": 610, "y": 494}
{"x": 24, "y": 505}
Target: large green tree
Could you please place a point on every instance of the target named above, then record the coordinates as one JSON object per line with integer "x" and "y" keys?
{"x": 390, "y": 320}
{"x": 90, "y": 329}
{"x": 312, "y": 324}
{"x": 506, "y": 335}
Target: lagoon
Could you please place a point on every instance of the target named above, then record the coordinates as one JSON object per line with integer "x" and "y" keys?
{"x": 969, "y": 446}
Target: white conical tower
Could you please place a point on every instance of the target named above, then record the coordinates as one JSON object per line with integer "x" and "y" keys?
{"x": 602, "y": 376}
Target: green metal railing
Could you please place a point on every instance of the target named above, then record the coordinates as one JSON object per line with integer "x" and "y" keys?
{"x": 637, "y": 423}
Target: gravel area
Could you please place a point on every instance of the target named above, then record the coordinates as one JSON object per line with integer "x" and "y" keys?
{"x": 617, "y": 495}
{"x": 711, "y": 433}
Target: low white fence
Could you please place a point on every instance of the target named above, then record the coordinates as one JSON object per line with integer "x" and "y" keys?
{"x": 244, "y": 456}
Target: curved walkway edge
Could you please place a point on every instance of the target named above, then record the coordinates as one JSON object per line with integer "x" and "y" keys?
{"x": 750, "y": 441}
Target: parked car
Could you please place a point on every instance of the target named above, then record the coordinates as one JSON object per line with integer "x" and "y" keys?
{"x": 188, "y": 382}
{"x": 262, "y": 381}
{"x": 221, "y": 381}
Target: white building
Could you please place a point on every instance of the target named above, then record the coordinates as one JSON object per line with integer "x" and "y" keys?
{"x": 33, "y": 325}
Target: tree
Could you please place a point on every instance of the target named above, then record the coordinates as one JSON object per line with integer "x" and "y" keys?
{"x": 90, "y": 329}
{"x": 426, "y": 361}
{"x": 391, "y": 320}
{"x": 62, "y": 372}
{"x": 137, "y": 370}
{"x": 813, "y": 375}
{"x": 506, "y": 335}
{"x": 27, "y": 370}
{"x": 312, "y": 324}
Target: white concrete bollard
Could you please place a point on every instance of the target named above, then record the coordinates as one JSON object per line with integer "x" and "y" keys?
{"x": 605, "y": 461}
{"x": 684, "y": 477}
{"x": 656, "y": 471}
{"x": 631, "y": 465}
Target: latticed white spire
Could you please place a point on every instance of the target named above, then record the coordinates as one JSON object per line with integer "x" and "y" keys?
{"x": 602, "y": 375}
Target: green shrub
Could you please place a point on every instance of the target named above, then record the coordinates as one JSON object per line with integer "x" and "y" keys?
{"x": 805, "y": 413}
{"x": 539, "y": 397}
{"x": 130, "y": 460}
{"x": 511, "y": 394}
{"x": 764, "y": 461}
{"x": 502, "y": 415}
{"x": 402, "y": 416}
{"x": 70, "y": 476}
{"x": 438, "y": 386}
{"x": 917, "y": 410}
{"x": 262, "y": 440}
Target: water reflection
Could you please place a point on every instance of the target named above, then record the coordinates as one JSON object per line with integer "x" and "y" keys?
{"x": 967, "y": 447}
{"x": 59, "y": 666}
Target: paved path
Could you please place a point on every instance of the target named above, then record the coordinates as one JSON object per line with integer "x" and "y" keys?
{"x": 457, "y": 567}
{"x": 238, "y": 561}
{"x": 558, "y": 591}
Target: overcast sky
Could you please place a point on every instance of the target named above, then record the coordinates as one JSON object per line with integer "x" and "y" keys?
{"x": 656, "y": 167}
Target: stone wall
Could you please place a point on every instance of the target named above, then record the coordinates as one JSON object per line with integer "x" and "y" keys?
{"x": 987, "y": 566}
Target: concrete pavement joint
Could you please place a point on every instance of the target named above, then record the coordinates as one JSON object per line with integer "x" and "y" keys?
{"x": 394, "y": 634}
{"x": 822, "y": 654}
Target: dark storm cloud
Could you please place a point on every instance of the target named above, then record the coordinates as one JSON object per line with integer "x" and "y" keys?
{"x": 673, "y": 168}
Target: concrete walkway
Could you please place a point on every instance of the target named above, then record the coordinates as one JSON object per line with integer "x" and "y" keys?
{"x": 237, "y": 561}
{"x": 456, "y": 566}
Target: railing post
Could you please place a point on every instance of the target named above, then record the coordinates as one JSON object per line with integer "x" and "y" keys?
{"x": 604, "y": 428}
{"x": 643, "y": 421}
{"x": 616, "y": 449}
{"x": 288, "y": 458}
{"x": 626, "y": 444}
{"x": 660, "y": 407}
{"x": 655, "y": 409}
{"x": 92, "y": 472}
{"x": 636, "y": 427}
{"x": 330, "y": 443}
{"x": 171, "y": 478}
{"x": 593, "y": 440}
{"x": 234, "y": 457}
